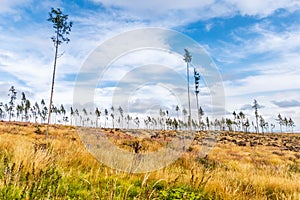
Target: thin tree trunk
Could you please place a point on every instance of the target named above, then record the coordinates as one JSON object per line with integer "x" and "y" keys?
{"x": 257, "y": 129}
{"x": 199, "y": 119}
{"x": 52, "y": 85}
{"x": 9, "y": 116}
{"x": 189, "y": 102}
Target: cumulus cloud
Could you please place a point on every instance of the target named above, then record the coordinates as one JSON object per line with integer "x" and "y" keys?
{"x": 261, "y": 8}
{"x": 179, "y": 12}
{"x": 262, "y": 83}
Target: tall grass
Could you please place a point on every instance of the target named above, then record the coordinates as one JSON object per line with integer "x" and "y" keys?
{"x": 31, "y": 168}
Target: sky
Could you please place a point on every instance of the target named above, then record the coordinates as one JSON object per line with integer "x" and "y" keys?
{"x": 254, "y": 45}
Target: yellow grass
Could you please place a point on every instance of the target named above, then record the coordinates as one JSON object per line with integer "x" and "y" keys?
{"x": 229, "y": 172}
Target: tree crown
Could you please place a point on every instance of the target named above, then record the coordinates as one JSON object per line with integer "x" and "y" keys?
{"x": 61, "y": 25}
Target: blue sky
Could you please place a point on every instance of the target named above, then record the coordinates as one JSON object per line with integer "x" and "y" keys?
{"x": 255, "y": 45}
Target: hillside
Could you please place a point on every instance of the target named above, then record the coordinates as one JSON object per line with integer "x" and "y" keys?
{"x": 240, "y": 166}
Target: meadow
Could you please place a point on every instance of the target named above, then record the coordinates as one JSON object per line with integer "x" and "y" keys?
{"x": 240, "y": 166}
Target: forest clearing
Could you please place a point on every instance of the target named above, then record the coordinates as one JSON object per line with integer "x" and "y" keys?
{"x": 240, "y": 166}
{"x": 142, "y": 100}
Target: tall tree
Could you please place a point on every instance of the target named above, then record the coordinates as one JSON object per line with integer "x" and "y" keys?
{"x": 197, "y": 79}
{"x": 72, "y": 113}
{"x": 207, "y": 123}
{"x": 106, "y": 116}
{"x": 137, "y": 122}
{"x": 44, "y": 111}
{"x": 280, "y": 121}
{"x": 25, "y": 106}
{"x": 2, "y": 113}
{"x": 184, "y": 112}
{"x": 22, "y": 106}
{"x": 272, "y": 127}
{"x": 85, "y": 116}
{"x": 242, "y": 117}
{"x": 201, "y": 114}
{"x": 62, "y": 29}
{"x": 128, "y": 118}
{"x": 36, "y": 111}
{"x": 63, "y": 112}
{"x": 19, "y": 109}
{"x": 234, "y": 119}
{"x": 113, "y": 119}
{"x": 286, "y": 123}
{"x": 229, "y": 124}
{"x": 262, "y": 123}
{"x": 11, "y": 104}
{"x": 291, "y": 124}
{"x": 188, "y": 59}
{"x": 26, "y": 109}
{"x": 256, "y": 106}
{"x": 98, "y": 114}
{"x": 246, "y": 125}
{"x": 120, "y": 109}
{"x": 113, "y": 116}
{"x": 162, "y": 118}
{"x": 177, "y": 110}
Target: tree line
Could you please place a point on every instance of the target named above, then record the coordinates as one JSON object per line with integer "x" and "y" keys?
{"x": 24, "y": 110}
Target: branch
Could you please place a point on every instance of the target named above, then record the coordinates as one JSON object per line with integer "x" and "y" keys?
{"x": 61, "y": 55}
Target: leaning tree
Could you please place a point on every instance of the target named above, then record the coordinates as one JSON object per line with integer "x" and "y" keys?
{"x": 62, "y": 28}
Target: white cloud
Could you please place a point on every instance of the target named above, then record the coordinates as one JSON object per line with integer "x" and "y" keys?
{"x": 136, "y": 59}
{"x": 261, "y": 84}
{"x": 8, "y": 6}
{"x": 176, "y": 12}
{"x": 262, "y": 8}
{"x": 272, "y": 41}
{"x": 263, "y": 37}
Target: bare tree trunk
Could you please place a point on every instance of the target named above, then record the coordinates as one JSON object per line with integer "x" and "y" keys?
{"x": 199, "y": 119}
{"x": 52, "y": 85}
{"x": 189, "y": 101}
{"x": 257, "y": 129}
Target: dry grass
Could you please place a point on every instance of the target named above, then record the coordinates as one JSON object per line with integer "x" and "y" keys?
{"x": 231, "y": 171}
